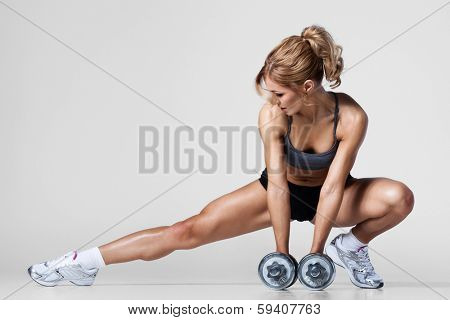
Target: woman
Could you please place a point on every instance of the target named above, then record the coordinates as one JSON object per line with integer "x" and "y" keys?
{"x": 305, "y": 179}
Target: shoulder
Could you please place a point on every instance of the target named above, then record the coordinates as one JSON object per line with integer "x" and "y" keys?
{"x": 272, "y": 121}
{"x": 352, "y": 116}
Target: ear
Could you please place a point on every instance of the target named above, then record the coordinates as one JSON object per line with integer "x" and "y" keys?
{"x": 308, "y": 87}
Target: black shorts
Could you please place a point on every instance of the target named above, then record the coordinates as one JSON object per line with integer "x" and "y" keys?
{"x": 303, "y": 199}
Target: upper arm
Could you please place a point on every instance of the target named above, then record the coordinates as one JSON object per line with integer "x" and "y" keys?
{"x": 354, "y": 132}
{"x": 272, "y": 123}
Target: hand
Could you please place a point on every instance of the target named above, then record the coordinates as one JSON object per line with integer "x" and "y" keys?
{"x": 285, "y": 250}
{"x": 316, "y": 251}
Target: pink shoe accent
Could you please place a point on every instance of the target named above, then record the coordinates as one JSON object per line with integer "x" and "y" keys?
{"x": 75, "y": 256}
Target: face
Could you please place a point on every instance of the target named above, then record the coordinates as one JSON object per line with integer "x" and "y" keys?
{"x": 289, "y": 101}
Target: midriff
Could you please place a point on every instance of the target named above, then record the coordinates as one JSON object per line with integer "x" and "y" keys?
{"x": 308, "y": 178}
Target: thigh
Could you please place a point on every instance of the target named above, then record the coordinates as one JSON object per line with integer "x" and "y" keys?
{"x": 363, "y": 199}
{"x": 242, "y": 211}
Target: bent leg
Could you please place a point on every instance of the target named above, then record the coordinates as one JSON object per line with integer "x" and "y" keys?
{"x": 399, "y": 202}
{"x": 374, "y": 205}
{"x": 241, "y": 211}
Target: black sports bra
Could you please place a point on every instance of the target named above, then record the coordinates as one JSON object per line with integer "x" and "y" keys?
{"x": 311, "y": 161}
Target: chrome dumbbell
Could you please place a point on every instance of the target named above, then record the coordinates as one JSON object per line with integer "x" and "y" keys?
{"x": 278, "y": 271}
{"x": 316, "y": 271}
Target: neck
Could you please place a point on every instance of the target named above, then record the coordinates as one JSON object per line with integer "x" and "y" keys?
{"x": 318, "y": 105}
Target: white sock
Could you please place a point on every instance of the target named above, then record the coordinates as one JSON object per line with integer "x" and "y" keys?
{"x": 351, "y": 243}
{"x": 91, "y": 258}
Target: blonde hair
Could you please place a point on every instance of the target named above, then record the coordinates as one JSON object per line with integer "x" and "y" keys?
{"x": 296, "y": 59}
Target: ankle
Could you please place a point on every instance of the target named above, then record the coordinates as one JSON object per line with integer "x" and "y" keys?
{"x": 91, "y": 258}
{"x": 351, "y": 242}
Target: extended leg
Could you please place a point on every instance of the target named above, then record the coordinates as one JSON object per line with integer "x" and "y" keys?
{"x": 241, "y": 211}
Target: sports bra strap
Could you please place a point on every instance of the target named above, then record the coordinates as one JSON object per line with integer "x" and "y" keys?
{"x": 289, "y": 124}
{"x": 336, "y": 111}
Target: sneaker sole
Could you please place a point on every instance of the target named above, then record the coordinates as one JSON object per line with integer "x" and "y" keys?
{"x": 331, "y": 251}
{"x": 54, "y": 284}
{"x": 81, "y": 283}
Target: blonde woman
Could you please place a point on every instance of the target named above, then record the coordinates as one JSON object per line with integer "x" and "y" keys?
{"x": 311, "y": 139}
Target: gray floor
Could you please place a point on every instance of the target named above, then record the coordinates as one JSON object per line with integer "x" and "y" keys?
{"x": 255, "y": 291}
{"x": 107, "y": 286}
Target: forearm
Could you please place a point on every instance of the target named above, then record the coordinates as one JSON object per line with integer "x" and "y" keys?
{"x": 280, "y": 216}
{"x": 326, "y": 214}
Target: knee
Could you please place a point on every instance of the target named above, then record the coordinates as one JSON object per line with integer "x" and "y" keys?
{"x": 183, "y": 235}
{"x": 401, "y": 198}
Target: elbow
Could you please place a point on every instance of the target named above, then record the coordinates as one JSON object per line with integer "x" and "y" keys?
{"x": 276, "y": 191}
{"x": 329, "y": 190}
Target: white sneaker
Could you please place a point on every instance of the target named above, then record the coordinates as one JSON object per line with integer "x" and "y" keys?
{"x": 356, "y": 263}
{"x": 64, "y": 268}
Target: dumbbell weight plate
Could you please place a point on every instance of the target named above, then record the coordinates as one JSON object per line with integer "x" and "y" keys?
{"x": 295, "y": 275}
{"x": 277, "y": 271}
{"x": 316, "y": 271}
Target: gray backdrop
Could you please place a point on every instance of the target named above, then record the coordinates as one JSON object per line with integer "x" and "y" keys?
{"x": 79, "y": 78}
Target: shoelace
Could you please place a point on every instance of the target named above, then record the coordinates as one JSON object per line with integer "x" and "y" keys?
{"x": 362, "y": 264}
{"x": 364, "y": 260}
{"x": 52, "y": 263}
